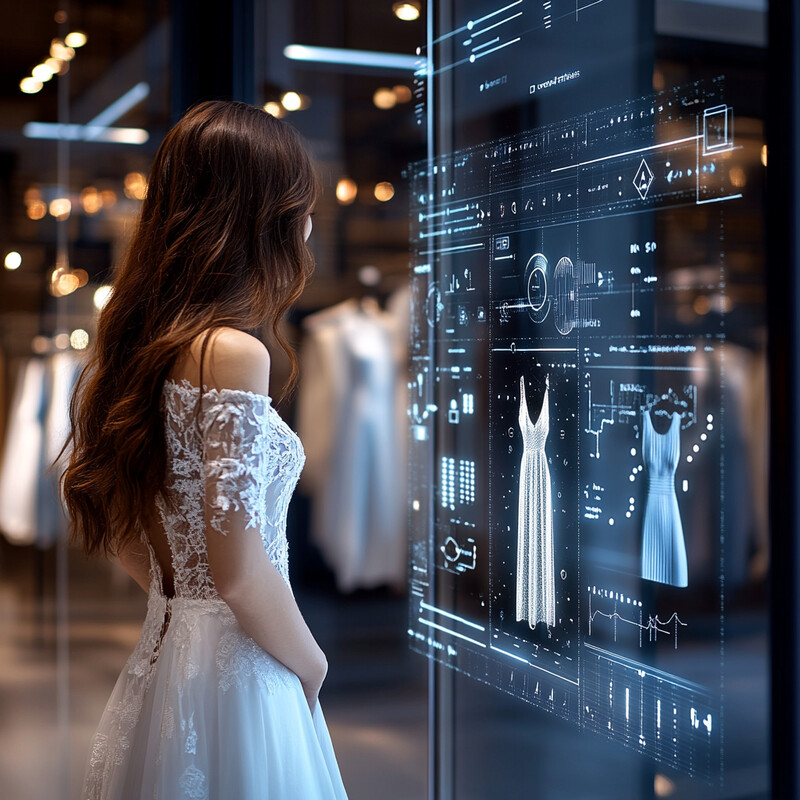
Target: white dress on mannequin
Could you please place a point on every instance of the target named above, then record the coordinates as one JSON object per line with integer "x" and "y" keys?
{"x": 201, "y": 712}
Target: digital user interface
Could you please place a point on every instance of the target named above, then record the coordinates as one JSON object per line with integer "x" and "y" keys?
{"x": 567, "y": 392}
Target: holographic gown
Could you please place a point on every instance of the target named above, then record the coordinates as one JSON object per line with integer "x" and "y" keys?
{"x": 536, "y": 588}
{"x": 663, "y": 546}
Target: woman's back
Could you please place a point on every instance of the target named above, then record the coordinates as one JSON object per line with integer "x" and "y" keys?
{"x": 201, "y": 710}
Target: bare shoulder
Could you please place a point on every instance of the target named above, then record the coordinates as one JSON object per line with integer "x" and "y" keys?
{"x": 233, "y": 360}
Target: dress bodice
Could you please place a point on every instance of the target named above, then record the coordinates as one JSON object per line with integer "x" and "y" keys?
{"x": 661, "y": 451}
{"x": 534, "y": 435}
{"x": 232, "y": 465}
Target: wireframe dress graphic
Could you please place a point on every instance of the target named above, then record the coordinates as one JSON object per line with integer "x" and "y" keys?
{"x": 536, "y": 589}
{"x": 663, "y": 545}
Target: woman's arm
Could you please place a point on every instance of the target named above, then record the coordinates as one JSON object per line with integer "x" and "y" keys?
{"x": 260, "y": 599}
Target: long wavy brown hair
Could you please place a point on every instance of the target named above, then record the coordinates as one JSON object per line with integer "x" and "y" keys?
{"x": 220, "y": 242}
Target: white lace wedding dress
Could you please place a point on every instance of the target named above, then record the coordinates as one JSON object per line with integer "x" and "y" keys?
{"x": 200, "y": 711}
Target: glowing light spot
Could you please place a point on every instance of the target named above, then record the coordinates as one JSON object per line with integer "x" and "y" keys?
{"x": 75, "y": 39}
{"x": 30, "y": 85}
{"x": 696, "y": 448}
{"x": 384, "y": 98}
{"x": 101, "y": 296}
{"x": 346, "y": 191}
{"x": 689, "y": 459}
{"x": 42, "y": 72}
{"x": 61, "y": 341}
{"x": 384, "y": 191}
{"x": 79, "y": 339}
{"x": 13, "y": 260}
{"x": 60, "y": 207}
{"x": 275, "y": 109}
{"x": 402, "y": 93}
{"x": 611, "y": 520}
{"x": 408, "y": 10}
{"x": 291, "y": 101}
{"x": 135, "y": 185}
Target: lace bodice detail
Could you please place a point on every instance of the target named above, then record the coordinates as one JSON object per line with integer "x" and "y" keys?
{"x": 232, "y": 468}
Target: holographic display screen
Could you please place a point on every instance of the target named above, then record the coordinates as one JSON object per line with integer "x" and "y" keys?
{"x": 567, "y": 403}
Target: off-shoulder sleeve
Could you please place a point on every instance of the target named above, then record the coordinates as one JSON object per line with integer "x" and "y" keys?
{"x": 235, "y": 434}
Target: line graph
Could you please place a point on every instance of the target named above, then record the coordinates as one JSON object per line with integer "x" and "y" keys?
{"x": 652, "y": 628}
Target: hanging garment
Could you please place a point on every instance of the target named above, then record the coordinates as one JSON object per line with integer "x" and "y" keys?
{"x": 200, "y": 711}
{"x": 348, "y": 420}
{"x": 21, "y": 469}
{"x": 536, "y": 586}
{"x": 663, "y": 546}
{"x": 61, "y": 373}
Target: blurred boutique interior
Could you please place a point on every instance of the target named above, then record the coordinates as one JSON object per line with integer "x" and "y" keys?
{"x": 89, "y": 89}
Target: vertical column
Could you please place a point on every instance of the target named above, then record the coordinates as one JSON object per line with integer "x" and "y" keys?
{"x": 212, "y": 52}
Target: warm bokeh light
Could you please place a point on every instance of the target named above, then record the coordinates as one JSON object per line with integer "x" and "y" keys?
{"x": 60, "y": 51}
{"x": 109, "y": 197}
{"x": 30, "y": 85}
{"x": 135, "y": 185}
{"x": 63, "y": 282}
{"x": 60, "y": 207}
{"x": 275, "y": 109}
{"x": 701, "y": 305}
{"x": 384, "y": 191}
{"x": 13, "y": 260}
{"x": 40, "y": 345}
{"x": 738, "y": 177}
{"x": 82, "y": 275}
{"x": 369, "y": 275}
{"x": 384, "y": 98}
{"x": 37, "y": 209}
{"x": 91, "y": 200}
{"x": 54, "y": 64}
{"x": 42, "y": 72}
{"x": 408, "y": 11}
{"x": 61, "y": 341}
{"x": 79, "y": 339}
{"x": 101, "y": 295}
{"x": 764, "y": 154}
{"x": 402, "y": 93}
{"x": 346, "y": 191}
{"x": 75, "y": 39}
{"x": 291, "y": 101}
{"x": 663, "y": 786}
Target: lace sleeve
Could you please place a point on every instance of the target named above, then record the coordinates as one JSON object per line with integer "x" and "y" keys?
{"x": 235, "y": 433}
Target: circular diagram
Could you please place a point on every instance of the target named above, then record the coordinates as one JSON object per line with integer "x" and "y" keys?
{"x": 536, "y": 288}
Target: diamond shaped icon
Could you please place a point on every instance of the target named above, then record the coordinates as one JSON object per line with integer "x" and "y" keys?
{"x": 643, "y": 180}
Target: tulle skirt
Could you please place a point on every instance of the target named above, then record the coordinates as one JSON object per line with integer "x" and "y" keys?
{"x": 201, "y": 712}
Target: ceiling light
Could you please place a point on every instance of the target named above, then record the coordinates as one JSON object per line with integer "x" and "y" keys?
{"x": 291, "y": 101}
{"x": 75, "y": 39}
{"x": 346, "y": 191}
{"x": 384, "y": 98}
{"x": 408, "y": 11}
{"x": 13, "y": 260}
{"x": 30, "y": 85}
{"x": 384, "y": 191}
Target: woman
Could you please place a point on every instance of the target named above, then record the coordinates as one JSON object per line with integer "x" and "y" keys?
{"x": 181, "y": 467}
